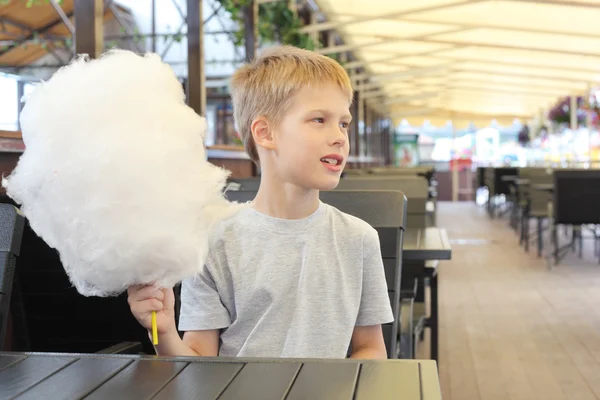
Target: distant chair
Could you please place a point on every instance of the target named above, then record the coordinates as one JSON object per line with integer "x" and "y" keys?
{"x": 575, "y": 201}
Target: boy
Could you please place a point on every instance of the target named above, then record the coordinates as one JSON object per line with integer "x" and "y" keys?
{"x": 289, "y": 276}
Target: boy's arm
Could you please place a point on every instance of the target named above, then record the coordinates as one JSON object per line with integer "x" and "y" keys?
{"x": 202, "y": 316}
{"x": 195, "y": 343}
{"x": 367, "y": 343}
{"x": 375, "y": 308}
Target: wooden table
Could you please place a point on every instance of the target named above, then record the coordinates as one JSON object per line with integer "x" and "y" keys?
{"x": 114, "y": 377}
{"x": 426, "y": 244}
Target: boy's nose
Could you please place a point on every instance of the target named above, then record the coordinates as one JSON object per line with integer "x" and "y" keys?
{"x": 339, "y": 138}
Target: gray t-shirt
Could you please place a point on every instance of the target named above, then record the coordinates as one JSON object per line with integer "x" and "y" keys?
{"x": 288, "y": 288}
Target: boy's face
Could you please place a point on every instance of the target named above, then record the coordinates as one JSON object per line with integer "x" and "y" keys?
{"x": 311, "y": 141}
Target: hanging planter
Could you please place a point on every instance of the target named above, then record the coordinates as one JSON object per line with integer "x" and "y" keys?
{"x": 592, "y": 106}
{"x": 560, "y": 114}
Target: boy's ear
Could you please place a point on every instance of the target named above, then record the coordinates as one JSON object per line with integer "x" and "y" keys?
{"x": 262, "y": 133}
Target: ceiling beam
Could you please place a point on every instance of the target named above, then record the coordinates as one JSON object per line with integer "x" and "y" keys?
{"x": 406, "y": 99}
{"x": 494, "y": 90}
{"x": 18, "y": 25}
{"x": 325, "y": 26}
{"x": 502, "y": 28}
{"x": 349, "y": 47}
{"x": 563, "y": 3}
{"x": 413, "y": 112}
{"x": 63, "y": 16}
{"x": 508, "y": 47}
{"x": 457, "y": 114}
{"x": 356, "y": 64}
{"x": 41, "y": 31}
{"x": 405, "y": 73}
{"x": 528, "y": 76}
{"x": 514, "y": 64}
{"x": 478, "y": 25}
{"x": 427, "y": 39}
{"x": 566, "y": 89}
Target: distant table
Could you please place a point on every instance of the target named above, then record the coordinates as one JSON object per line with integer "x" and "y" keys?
{"x": 522, "y": 182}
{"x": 115, "y": 377}
{"x": 420, "y": 247}
{"x": 544, "y": 187}
{"x": 426, "y": 244}
{"x": 509, "y": 178}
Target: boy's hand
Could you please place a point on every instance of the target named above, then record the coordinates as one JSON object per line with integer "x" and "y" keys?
{"x": 143, "y": 299}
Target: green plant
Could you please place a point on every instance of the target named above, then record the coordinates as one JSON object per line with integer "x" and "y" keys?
{"x": 276, "y": 23}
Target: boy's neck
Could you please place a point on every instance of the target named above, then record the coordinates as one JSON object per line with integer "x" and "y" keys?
{"x": 284, "y": 200}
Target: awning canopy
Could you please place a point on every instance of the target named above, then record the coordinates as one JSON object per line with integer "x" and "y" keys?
{"x": 468, "y": 60}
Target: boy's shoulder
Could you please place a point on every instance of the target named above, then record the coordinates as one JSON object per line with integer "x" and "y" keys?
{"x": 249, "y": 222}
{"x": 351, "y": 222}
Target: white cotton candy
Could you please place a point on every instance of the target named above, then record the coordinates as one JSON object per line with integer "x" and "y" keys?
{"x": 114, "y": 175}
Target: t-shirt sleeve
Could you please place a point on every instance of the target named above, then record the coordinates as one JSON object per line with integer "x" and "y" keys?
{"x": 375, "y": 307}
{"x": 201, "y": 306}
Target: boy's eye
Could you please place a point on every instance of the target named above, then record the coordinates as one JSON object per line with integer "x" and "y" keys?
{"x": 319, "y": 120}
{"x": 344, "y": 125}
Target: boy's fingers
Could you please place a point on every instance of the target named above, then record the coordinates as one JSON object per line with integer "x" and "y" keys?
{"x": 147, "y": 306}
{"x": 146, "y": 292}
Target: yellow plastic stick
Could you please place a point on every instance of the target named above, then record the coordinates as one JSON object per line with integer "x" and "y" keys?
{"x": 154, "y": 329}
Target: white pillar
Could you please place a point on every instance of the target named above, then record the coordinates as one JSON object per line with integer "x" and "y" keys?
{"x": 361, "y": 117}
{"x": 455, "y": 174}
{"x": 573, "y": 109}
{"x": 588, "y": 123}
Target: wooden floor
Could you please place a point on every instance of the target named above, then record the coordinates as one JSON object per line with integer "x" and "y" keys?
{"x": 510, "y": 328}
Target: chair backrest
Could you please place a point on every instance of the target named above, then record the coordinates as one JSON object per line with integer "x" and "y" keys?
{"x": 576, "y": 197}
{"x": 420, "y": 171}
{"x": 414, "y": 188}
{"x": 480, "y": 177}
{"x": 494, "y": 182}
{"x": 251, "y": 184}
{"x": 355, "y": 172}
{"x": 426, "y": 172}
{"x": 384, "y": 210}
{"x": 12, "y": 222}
{"x": 538, "y": 200}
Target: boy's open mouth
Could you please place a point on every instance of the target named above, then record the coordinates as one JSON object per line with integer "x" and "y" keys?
{"x": 332, "y": 159}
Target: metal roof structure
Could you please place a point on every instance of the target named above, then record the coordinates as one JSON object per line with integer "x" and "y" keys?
{"x": 29, "y": 33}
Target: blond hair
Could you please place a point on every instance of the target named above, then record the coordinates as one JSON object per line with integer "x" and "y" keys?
{"x": 265, "y": 86}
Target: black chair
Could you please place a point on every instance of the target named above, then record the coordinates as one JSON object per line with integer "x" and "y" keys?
{"x": 533, "y": 204}
{"x": 250, "y": 184}
{"x": 496, "y": 186}
{"x": 415, "y": 277}
{"x": 49, "y": 315}
{"x": 12, "y": 222}
{"x": 386, "y": 212}
{"x": 575, "y": 200}
{"x": 414, "y": 188}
